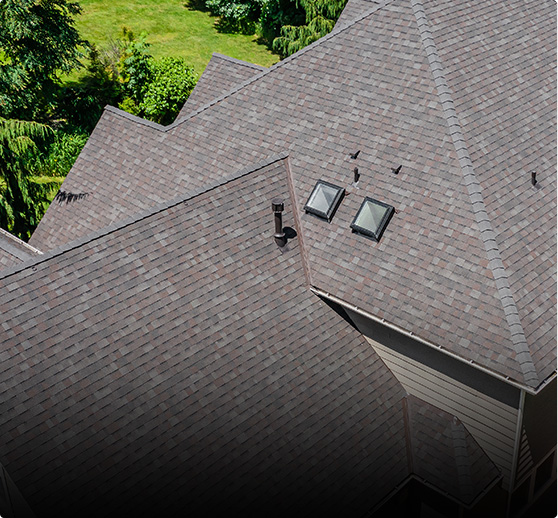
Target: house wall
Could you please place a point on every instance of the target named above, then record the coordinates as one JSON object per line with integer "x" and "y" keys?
{"x": 487, "y": 406}
{"x": 536, "y": 466}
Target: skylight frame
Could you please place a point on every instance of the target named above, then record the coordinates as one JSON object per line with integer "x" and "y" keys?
{"x": 328, "y": 216}
{"x": 377, "y": 234}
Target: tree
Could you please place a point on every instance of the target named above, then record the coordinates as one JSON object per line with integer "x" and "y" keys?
{"x": 38, "y": 40}
{"x": 20, "y": 199}
{"x": 321, "y": 16}
{"x": 237, "y": 15}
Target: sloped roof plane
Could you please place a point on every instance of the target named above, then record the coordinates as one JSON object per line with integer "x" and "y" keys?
{"x": 14, "y": 251}
{"x": 221, "y": 74}
{"x": 183, "y": 346}
{"x": 452, "y": 267}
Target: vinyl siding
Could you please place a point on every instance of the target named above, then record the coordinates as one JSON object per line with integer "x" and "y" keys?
{"x": 490, "y": 422}
{"x": 487, "y": 406}
{"x": 538, "y": 435}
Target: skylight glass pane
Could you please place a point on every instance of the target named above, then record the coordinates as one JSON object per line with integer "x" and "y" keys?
{"x": 324, "y": 199}
{"x": 372, "y": 218}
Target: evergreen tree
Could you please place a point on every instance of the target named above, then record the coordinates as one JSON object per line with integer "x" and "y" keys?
{"x": 37, "y": 41}
{"x": 20, "y": 199}
{"x": 321, "y": 16}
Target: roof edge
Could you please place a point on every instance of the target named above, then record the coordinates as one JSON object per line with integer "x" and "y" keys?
{"x": 505, "y": 379}
{"x": 76, "y": 243}
{"x": 238, "y": 61}
{"x": 19, "y": 242}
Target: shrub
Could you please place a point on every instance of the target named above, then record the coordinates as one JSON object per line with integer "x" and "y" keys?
{"x": 171, "y": 84}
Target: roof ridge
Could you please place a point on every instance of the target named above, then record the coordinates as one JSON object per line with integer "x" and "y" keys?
{"x": 487, "y": 233}
{"x": 161, "y": 207}
{"x": 298, "y": 222}
{"x": 18, "y": 242}
{"x": 238, "y": 61}
{"x": 333, "y": 33}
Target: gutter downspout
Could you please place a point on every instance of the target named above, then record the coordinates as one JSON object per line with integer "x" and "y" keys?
{"x": 516, "y": 447}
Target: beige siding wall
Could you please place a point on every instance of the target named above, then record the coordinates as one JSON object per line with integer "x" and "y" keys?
{"x": 491, "y": 422}
{"x": 488, "y": 407}
{"x": 538, "y": 436}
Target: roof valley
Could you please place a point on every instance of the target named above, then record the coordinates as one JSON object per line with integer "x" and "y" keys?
{"x": 488, "y": 235}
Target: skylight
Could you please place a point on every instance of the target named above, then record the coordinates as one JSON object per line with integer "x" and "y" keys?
{"x": 324, "y": 200}
{"x": 372, "y": 218}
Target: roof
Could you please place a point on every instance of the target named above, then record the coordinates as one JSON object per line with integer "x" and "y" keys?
{"x": 467, "y": 263}
{"x": 221, "y": 74}
{"x": 13, "y": 250}
{"x": 178, "y": 360}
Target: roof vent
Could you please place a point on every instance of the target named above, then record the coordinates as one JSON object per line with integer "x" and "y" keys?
{"x": 356, "y": 177}
{"x": 534, "y": 177}
{"x": 395, "y": 170}
{"x": 355, "y": 154}
{"x": 278, "y": 207}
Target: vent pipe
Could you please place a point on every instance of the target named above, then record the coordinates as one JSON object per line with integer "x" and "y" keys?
{"x": 278, "y": 207}
{"x": 356, "y": 176}
{"x": 534, "y": 177}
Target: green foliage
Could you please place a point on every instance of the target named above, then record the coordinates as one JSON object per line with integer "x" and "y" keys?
{"x": 64, "y": 147}
{"x": 117, "y": 74}
{"x": 20, "y": 199}
{"x": 136, "y": 67}
{"x": 289, "y": 25}
{"x": 278, "y": 13}
{"x": 321, "y": 16}
{"x": 38, "y": 41}
{"x": 237, "y": 15}
{"x": 171, "y": 84}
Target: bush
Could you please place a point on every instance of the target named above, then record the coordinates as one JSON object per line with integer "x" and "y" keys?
{"x": 171, "y": 84}
{"x": 237, "y": 15}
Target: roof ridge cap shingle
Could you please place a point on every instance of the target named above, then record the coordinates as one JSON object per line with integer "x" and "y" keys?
{"x": 18, "y": 242}
{"x": 238, "y": 61}
{"x": 487, "y": 233}
{"x": 135, "y": 118}
{"x": 161, "y": 207}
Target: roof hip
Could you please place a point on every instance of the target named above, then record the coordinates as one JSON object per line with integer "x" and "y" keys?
{"x": 488, "y": 235}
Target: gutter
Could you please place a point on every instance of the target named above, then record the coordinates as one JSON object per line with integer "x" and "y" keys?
{"x": 410, "y": 334}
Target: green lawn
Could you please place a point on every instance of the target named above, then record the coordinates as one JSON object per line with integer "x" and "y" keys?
{"x": 172, "y": 28}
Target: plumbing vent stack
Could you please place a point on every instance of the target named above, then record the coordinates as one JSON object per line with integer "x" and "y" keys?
{"x": 356, "y": 175}
{"x": 278, "y": 207}
{"x": 534, "y": 177}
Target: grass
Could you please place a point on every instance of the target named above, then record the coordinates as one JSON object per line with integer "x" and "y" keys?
{"x": 173, "y": 29}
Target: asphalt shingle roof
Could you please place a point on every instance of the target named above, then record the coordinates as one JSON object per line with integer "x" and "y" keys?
{"x": 221, "y": 74}
{"x": 452, "y": 266}
{"x": 178, "y": 360}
